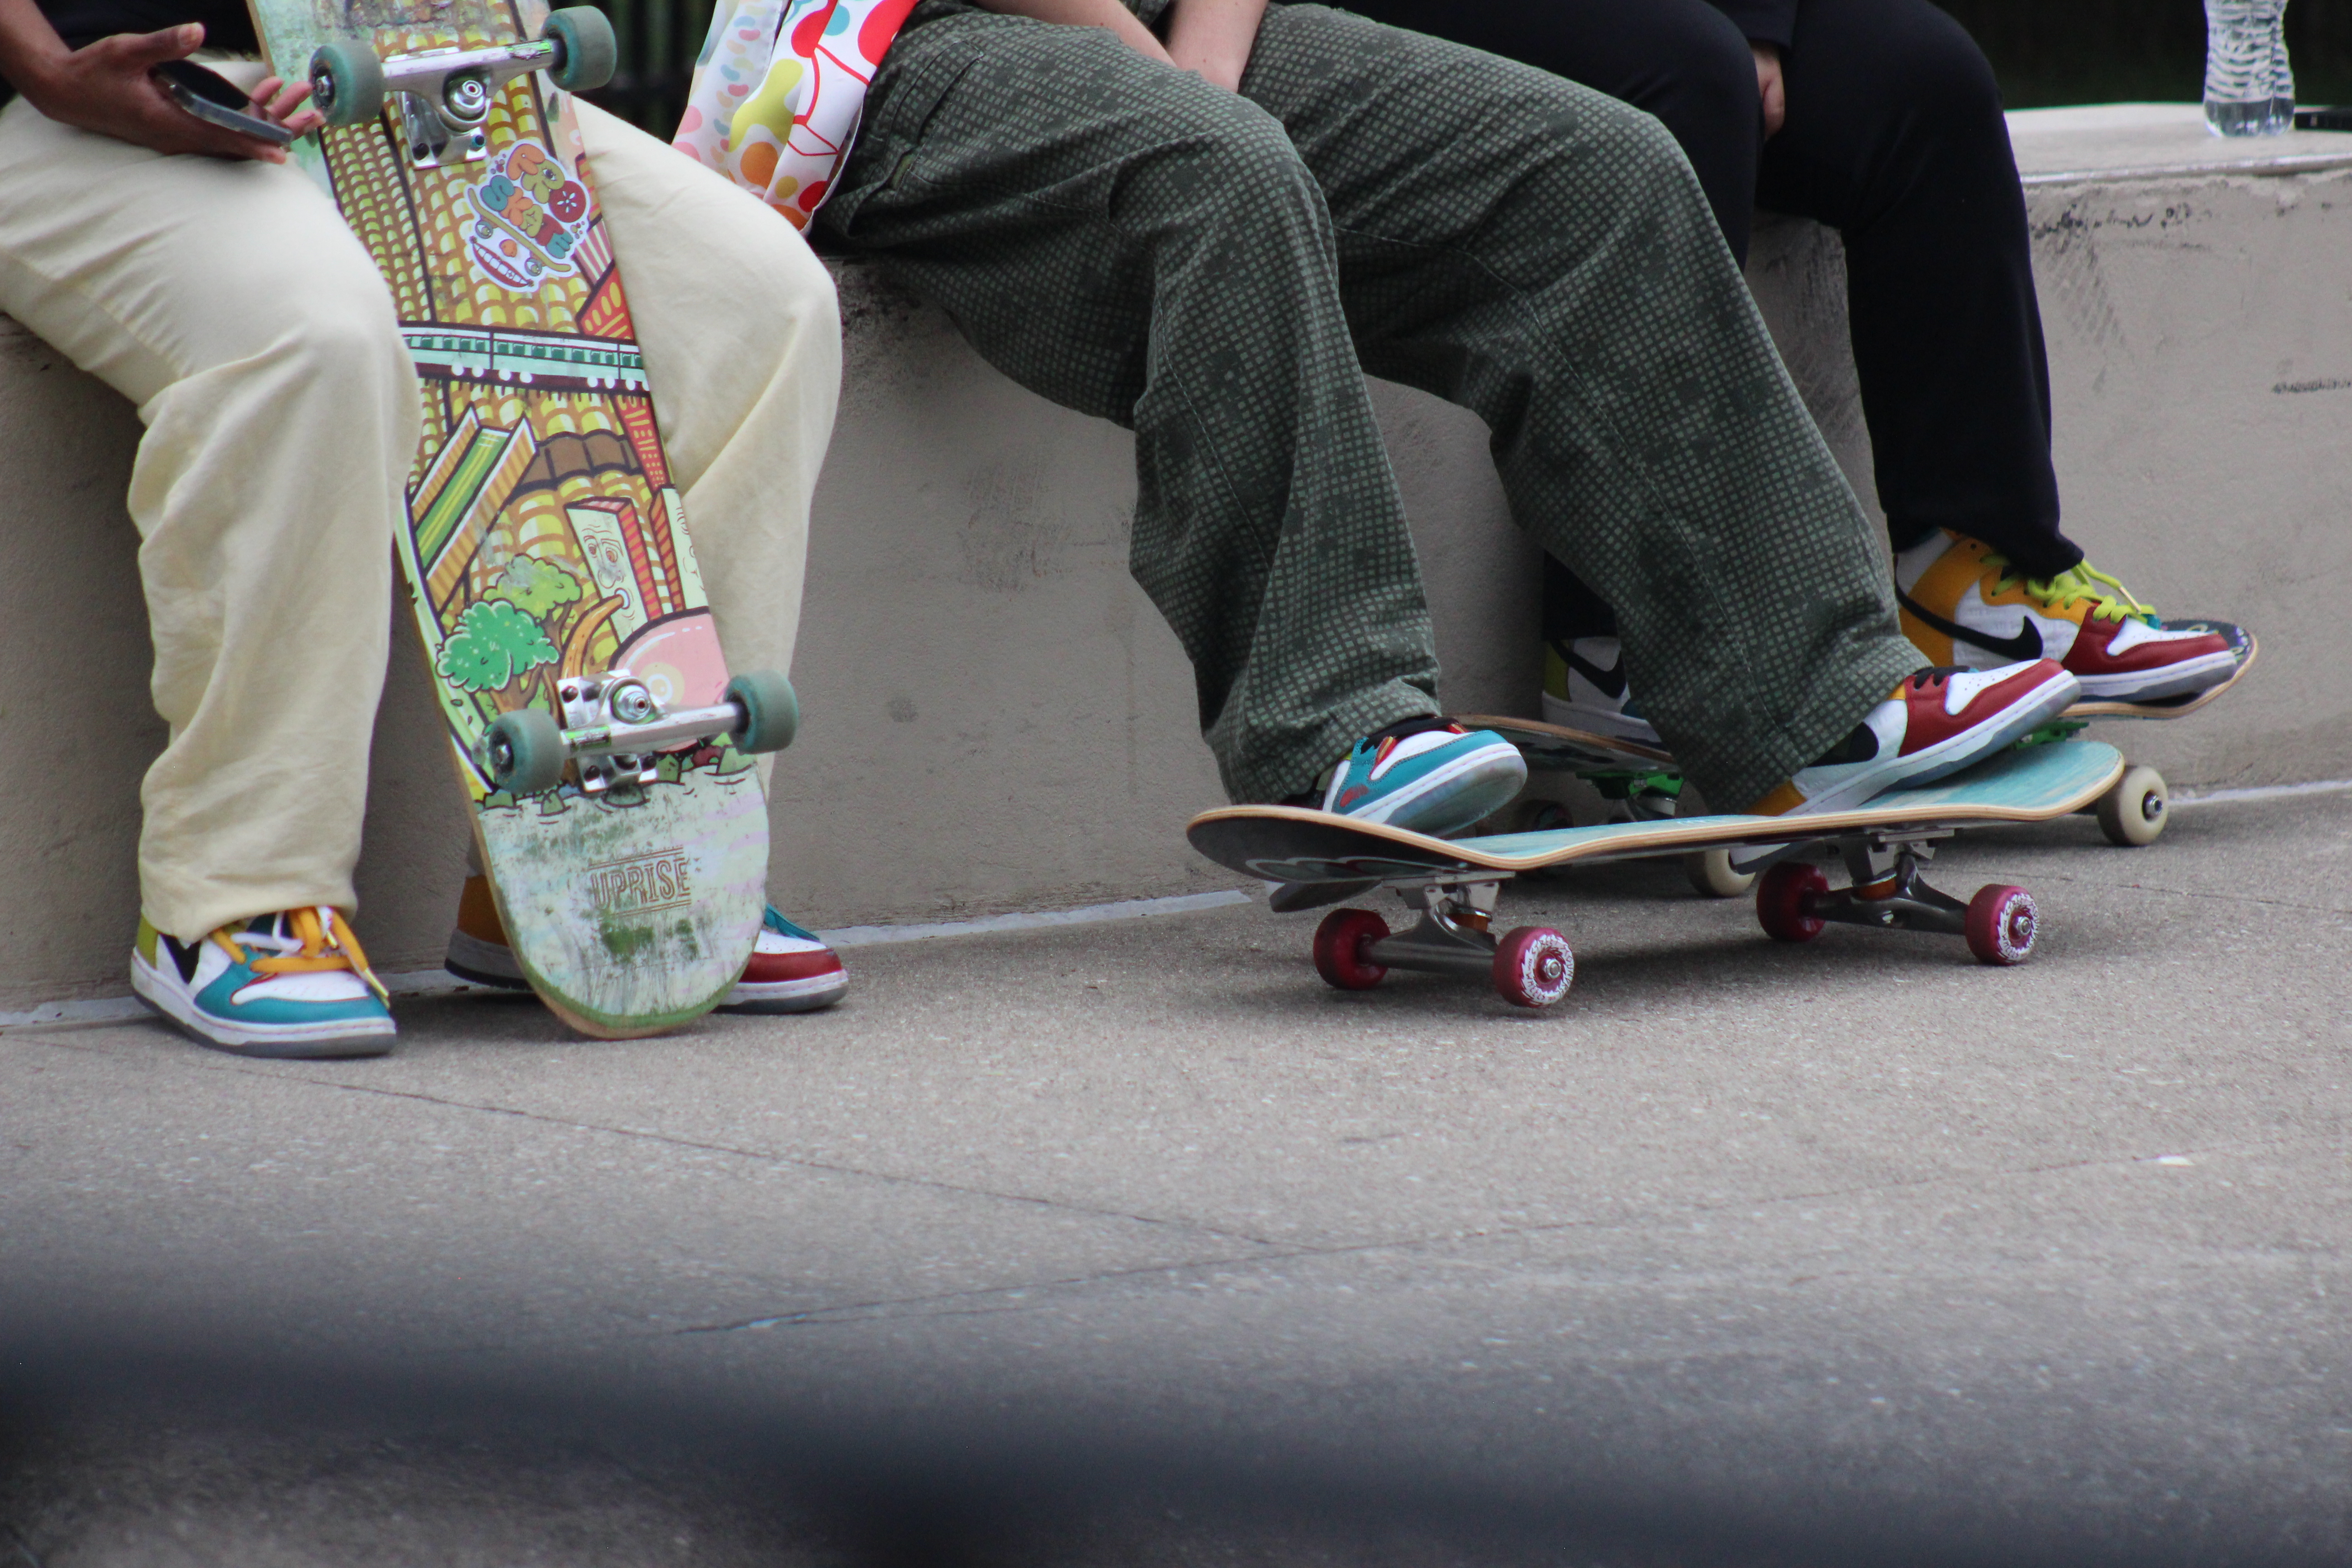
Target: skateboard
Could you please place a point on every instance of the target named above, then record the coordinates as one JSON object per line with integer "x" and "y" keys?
{"x": 603, "y": 747}
{"x": 1643, "y": 783}
{"x": 1453, "y": 884}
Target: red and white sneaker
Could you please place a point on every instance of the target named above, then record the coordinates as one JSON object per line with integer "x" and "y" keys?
{"x": 1964, "y": 606}
{"x": 791, "y": 969}
{"x": 1938, "y": 722}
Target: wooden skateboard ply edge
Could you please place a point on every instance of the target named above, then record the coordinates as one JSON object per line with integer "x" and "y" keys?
{"x": 2079, "y": 772}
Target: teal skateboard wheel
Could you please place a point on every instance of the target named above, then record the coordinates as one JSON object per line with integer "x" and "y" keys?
{"x": 346, "y": 84}
{"x": 525, "y": 751}
{"x": 589, "y": 52}
{"x": 772, "y": 713}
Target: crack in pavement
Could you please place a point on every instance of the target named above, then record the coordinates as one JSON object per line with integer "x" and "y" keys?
{"x": 230, "y": 1065}
{"x": 2188, "y": 893}
{"x": 890, "y": 1307}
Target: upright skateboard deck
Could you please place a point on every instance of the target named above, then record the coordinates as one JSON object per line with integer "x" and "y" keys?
{"x": 1454, "y": 882}
{"x": 545, "y": 545}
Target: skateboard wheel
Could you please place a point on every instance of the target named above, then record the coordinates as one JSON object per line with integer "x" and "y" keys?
{"x": 2133, "y": 812}
{"x": 346, "y": 84}
{"x": 525, "y": 751}
{"x": 1339, "y": 949}
{"x": 1784, "y": 901}
{"x": 1533, "y": 967}
{"x": 2001, "y": 924}
{"x": 589, "y": 53}
{"x": 1711, "y": 876}
{"x": 772, "y": 713}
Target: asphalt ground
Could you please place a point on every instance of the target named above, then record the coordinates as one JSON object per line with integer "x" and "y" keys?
{"x": 1133, "y": 1243}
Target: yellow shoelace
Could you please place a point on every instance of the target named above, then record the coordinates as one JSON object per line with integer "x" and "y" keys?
{"x": 2111, "y": 600}
{"x": 319, "y": 944}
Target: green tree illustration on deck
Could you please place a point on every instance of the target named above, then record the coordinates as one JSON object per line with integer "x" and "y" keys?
{"x": 517, "y": 627}
{"x": 494, "y": 644}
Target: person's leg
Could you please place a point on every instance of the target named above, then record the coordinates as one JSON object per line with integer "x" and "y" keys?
{"x": 230, "y": 304}
{"x": 1137, "y": 244}
{"x": 742, "y": 343}
{"x": 1680, "y": 60}
{"x": 1895, "y": 138}
{"x": 1542, "y": 255}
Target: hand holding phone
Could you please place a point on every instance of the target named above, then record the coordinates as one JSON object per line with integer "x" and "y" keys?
{"x": 216, "y": 100}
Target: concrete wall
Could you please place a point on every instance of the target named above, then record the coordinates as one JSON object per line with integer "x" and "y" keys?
{"x": 996, "y": 717}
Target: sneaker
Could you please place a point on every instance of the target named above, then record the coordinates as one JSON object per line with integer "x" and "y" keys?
{"x": 293, "y": 985}
{"x": 791, "y": 970}
{"x": 1584, "y": 689}
{"x": 1938, "y": 721}
{"x": 1427, "y": 775}
{"x": 1964, "y": 606}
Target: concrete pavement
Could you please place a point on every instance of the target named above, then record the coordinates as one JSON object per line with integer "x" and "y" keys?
{"x": 1136, "y": 1244}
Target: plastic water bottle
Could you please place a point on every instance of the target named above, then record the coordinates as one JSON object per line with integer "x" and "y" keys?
{"x": 2249, "y": 86}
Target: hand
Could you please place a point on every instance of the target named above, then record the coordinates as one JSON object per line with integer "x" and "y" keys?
{"x": 1213, "y": 38}
{"x": 1769, "y": 87}
{"x": 110, "y": 86}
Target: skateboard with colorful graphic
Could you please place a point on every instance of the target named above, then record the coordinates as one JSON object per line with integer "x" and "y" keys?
{"x": 603, "y": 747}
{"x": 1452, "y": 884}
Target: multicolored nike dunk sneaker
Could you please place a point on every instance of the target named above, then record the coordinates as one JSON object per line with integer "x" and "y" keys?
{"x": 1938, "y": 722}
{"x": 1427, "y": 775}
{"x": 291, "y": 984}
{"x": 1964, "y": 606}
{"x": 1584, "y": 689}
{"x": 791, "y": 969}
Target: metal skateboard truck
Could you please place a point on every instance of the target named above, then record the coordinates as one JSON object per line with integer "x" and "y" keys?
{"x": 614, "y": 729}
{"x": 446, "y": 94}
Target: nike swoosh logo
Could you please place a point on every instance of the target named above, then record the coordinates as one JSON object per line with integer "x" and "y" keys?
{"x": 2025, "y": 644}
{"x": 1610, "y": 683}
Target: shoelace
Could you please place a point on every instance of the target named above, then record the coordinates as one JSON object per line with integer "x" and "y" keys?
{"x": 2112, "y": 601}
{"x": 319, "y": 944}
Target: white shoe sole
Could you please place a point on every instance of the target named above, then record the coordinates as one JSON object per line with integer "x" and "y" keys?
{"x": 288, "y": 1042}
{"x": 1600, "y": 722}
{"x": 480, "y": 962}
{"x": 812, "y": 994}
{"x": 2173, "y": 681}
{"x": 1941, "y": 760}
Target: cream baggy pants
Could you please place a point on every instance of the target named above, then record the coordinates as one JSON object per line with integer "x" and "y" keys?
{"x": 230, "y": 304}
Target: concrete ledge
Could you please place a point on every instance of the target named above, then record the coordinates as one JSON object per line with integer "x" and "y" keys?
{"x": 997, "y": 718}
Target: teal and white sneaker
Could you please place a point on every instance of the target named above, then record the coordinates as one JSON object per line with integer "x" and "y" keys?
{"x": 1428, "y": 775}
{"x": 294, "y": 983}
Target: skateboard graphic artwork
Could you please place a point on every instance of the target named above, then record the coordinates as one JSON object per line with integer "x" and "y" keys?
{"x": 603, "y": 747}
{"x": 1452, "y": 885}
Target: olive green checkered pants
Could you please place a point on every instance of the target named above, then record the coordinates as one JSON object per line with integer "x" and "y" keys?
{"x": 1213, "y": 272}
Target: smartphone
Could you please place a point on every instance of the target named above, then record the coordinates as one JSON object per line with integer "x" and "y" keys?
{"x": 2336, "y": 118}
{"x": 214, "y": 99}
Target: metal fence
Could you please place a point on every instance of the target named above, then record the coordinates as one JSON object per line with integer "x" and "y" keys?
{"x": 2081, "y": 51}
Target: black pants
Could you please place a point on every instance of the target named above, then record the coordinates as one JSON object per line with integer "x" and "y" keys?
{"x": 1895, "y": 138}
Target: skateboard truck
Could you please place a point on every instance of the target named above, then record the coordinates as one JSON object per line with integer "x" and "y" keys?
{"x": 1529, "y": 967}
{"x": 444, "y": 95}
{"x": 1795, "y": 900}
{"x": 614, "y": 730}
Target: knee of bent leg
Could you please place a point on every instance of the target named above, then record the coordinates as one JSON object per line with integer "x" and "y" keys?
{"x": 1709, "y": 97}
{"x": 1225, "y": 158}
{"x": 336, "y": 329}
{"x": 1939, "y": 74}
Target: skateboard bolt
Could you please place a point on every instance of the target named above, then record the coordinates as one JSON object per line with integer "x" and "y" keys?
{"x": 468, "y": 97}
{"x": 632, "y": 704}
